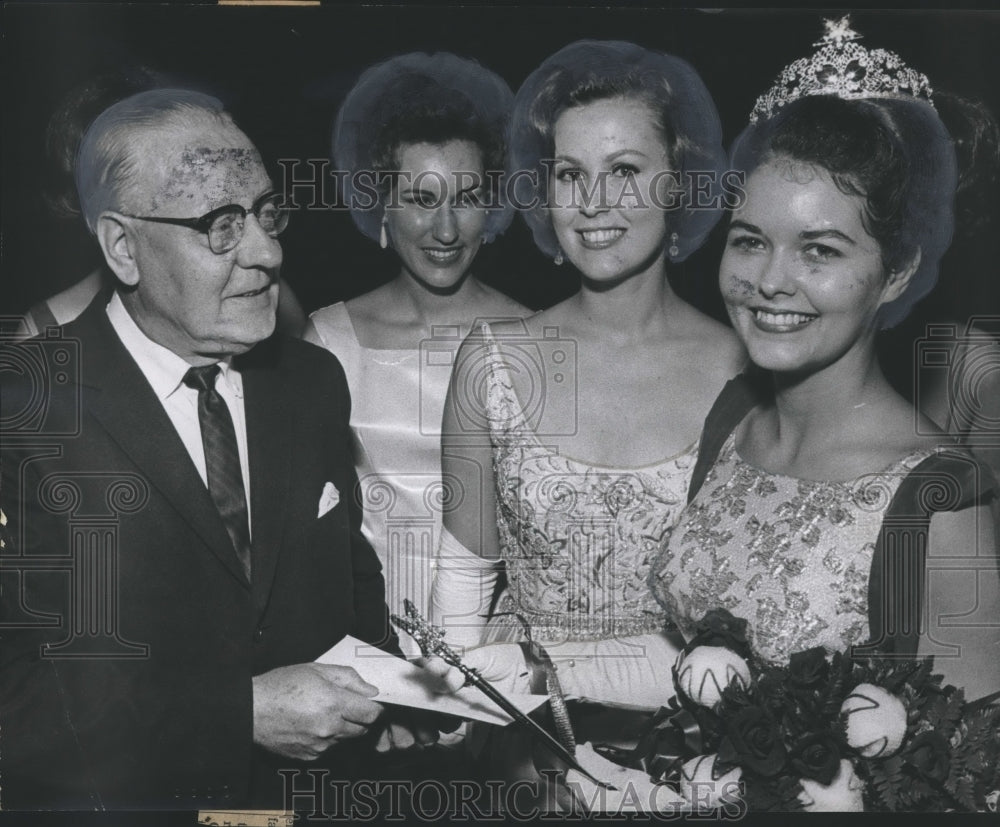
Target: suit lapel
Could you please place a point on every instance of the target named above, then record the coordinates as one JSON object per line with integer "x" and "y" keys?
{"x": 117, "y": 394}
{"x": 269, "y": 447}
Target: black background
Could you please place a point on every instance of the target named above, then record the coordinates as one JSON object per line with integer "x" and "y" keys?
{"x": 283, "y": 72}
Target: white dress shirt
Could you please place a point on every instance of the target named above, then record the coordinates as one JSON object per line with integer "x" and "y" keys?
{"x": 164, "y": 370}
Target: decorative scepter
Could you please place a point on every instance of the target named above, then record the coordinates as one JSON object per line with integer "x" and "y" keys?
{"x": 431, "y": 641}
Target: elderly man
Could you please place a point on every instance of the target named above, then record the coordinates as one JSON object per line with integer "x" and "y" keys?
{"x": 183, "y": 536}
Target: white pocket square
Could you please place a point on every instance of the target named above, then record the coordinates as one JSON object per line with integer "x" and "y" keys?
{"x": 328, "y": 499}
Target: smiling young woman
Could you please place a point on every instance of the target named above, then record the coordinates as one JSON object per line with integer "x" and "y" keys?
{"x": 429, "y": 130}
{"x": 437, "y": 228}
{"x": 816, "y": 522}
{"x": 572, "y": 435}
{"x": 609, "y": 153}
{"x": 802, "y": 278}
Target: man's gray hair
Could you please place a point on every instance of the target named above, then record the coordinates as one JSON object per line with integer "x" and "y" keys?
{"x": 106, "y": 162}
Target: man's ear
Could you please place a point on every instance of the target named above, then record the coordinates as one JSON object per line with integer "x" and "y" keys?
{"x": 900, "y": 278}
{"x": 118, "y": 245}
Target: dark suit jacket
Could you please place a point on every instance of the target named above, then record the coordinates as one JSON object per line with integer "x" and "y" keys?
{"x": 129, "y": 634}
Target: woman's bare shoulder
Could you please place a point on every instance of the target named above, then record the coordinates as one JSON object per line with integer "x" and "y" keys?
{"x": 891, "y": 430}
{"x": 373, "y": 305}
{"x": 718, "y": 348}
{"x": 497, "y": 304}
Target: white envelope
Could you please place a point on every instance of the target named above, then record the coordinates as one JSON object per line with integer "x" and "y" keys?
{"x": 403, "y": 683}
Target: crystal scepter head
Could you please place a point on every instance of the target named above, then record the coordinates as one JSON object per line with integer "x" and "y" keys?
{"x": 429, "y": 638}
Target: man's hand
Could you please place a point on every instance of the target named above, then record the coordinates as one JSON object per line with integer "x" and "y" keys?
{"x": 408, "y": 728}
{"x": 301, "y": 711}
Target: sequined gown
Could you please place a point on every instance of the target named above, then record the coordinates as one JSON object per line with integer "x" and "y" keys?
{"x": 577, "y": 541}
{"x": 791, "y": 556}
{"x": 397, "y": 401}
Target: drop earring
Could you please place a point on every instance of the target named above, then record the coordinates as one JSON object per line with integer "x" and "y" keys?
{"x": 383, "y": 238}
{"x": 559, "y": 257}
{"x": 673, "y": 249}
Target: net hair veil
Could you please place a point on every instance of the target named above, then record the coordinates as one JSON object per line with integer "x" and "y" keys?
{"x": 416, "y": 85}
{"x": 614, "y": 69}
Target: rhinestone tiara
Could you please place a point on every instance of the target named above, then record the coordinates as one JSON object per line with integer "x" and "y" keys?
{"x": 846, "y": 69}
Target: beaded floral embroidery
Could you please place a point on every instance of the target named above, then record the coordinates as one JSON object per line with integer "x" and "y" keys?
{"x": 577, "y": 540}
{"x": 791, "y": 556}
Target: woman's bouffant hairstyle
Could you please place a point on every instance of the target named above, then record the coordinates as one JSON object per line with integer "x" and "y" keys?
{"x": 419, "y": 98}
{"x": 682, "y": 110}
{"x": 976, "y": 136}
{"x": 65, "y": 130}
{"x": 894, "y": 153}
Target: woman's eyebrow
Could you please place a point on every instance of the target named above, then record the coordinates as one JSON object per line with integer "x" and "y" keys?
{"x": 736, "y": 224}
{"x": 615, "y": 155}
{"x": 809, "y": 235}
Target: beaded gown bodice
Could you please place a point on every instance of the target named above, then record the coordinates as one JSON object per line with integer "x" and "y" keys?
{"x": 577, "y": 540}
{"x": 791, "y": 556}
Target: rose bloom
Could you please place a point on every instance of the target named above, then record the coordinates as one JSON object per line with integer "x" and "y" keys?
{"x": 753, "y": 741}
{"x": 719, "y": 627}
{"x": 808, "y": 668}
{"x": 703, "y": 673}
{"x": 817, "y": 757}
{"x": 874, "y": 720}
{"x": 929, "y": 754}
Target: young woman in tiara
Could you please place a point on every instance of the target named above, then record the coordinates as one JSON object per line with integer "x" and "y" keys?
{"x": 573, "y": 434}
{"x": 427, "y": 133}
{"x": 815, "y": 488}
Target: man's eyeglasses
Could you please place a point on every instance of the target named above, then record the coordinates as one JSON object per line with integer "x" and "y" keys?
{"x": 225, "y": 225}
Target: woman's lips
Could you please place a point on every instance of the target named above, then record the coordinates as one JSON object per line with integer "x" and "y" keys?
{"x": 781, "y": 321}
{"x": 443, "y": 256}
{"x": 600, "y": 239}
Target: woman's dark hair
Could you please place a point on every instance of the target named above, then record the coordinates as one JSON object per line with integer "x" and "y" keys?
{"x": 976, "y": 135}
{"x": 420, "y": 98}
{"x": 591, "y": 70}
{"x": 440, "y": 123}
{"x": 76, "y": 111}
{"x": 893, "y": 153}
{"x": 855, "y": 145}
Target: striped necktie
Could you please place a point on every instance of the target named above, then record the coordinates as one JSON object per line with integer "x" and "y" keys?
{"x": 222, "y": 459}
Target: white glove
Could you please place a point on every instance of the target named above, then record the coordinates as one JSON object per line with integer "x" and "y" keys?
{"x": 632, "y": 671}
{"x": 502, "y": 664}
{"x": 462, "y": 592}
{"x": 635, "y": 793}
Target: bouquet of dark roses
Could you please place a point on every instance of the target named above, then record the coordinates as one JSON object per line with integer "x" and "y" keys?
{"x": 825, "y": 732}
